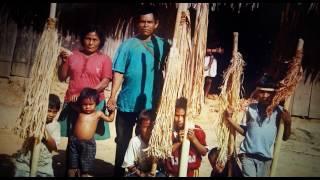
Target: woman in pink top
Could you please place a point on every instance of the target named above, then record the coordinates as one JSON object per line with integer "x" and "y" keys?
{"x": 86, "y": 67}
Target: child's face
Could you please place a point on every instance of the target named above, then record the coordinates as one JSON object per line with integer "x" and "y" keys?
{"x": 88, "y": 105}
{"x": 146, "y": 128}
{"x": 179, "y": 118}
{"x": 52, "y": 113}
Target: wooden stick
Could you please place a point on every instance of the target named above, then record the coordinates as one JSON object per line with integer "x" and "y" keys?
{"x": 53, "y": 7}
{"x": 35, "y": 156}
{"x": 183, "y": 165}
{"x": 281, "y": 125}
{"x": 278, "y": 142}
{"x": 37, "y": 142}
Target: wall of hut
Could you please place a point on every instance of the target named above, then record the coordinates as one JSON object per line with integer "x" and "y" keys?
{"x": 21, "y": 26}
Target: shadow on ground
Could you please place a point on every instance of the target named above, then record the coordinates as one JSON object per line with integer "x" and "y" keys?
{"x": 101, "y": 168}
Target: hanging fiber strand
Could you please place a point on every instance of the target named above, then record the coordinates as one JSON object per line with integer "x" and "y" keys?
{"x": 195, "y": 70}
{"x": 229, "y": 97}
{"x": 32, "y": 118}
{"x": 160, "y": 143}
{"x": 289, "y": 83}
{"x": 121, "y": 33}
{"x": 194, "y": 81}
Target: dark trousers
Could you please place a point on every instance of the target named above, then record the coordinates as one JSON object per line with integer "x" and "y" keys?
{"x": 125, "y": 121}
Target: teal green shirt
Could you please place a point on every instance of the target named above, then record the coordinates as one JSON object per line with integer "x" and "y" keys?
{"x": 138, "y": 64}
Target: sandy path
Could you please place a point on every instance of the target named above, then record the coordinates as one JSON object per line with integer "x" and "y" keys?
{"x": 300, "y": 155}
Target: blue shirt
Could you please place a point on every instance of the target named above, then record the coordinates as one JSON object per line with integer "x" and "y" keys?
{"x": 260, "y": 131}
{"x": 137, "y": 63}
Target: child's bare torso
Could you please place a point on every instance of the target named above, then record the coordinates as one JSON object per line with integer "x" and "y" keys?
{"x": 86, "y": 126}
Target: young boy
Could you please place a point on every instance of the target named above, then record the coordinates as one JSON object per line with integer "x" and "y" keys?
{"x": 82, "y": 145}
{"x": 49, "y": 143}
{"x": 256, "y": 150}
{"x": 198, "y": 145}
{"x": 135, "y": 159}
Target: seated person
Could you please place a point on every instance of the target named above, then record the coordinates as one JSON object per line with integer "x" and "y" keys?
{"x": 135, "y": 159}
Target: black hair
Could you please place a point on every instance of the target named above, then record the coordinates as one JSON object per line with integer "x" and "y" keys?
{"x": 88, "y": 93}
{"x": 266, "y": 81}
{"x": 54, "y": 101}
{"x": 146, "y": 114}
{"x": 214, "y": 150}
{"x": 7, "y": 166}
{"x": 93, "y": 28}
{"x": 146, "y": 9}
{"x": 181, "y": 103}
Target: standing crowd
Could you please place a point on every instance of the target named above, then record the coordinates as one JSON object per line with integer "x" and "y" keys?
{"x": 137, "y": 71}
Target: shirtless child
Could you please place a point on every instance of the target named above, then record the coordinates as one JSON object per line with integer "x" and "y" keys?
{"x": 82, "y": 143}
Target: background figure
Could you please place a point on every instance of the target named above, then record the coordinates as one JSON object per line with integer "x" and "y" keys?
{"x": 210, "y": 70}
{"x": 86, "y": 67}
{"x": 137, "y": 69}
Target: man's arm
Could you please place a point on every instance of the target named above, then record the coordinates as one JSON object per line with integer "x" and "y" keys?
{"x": 285, "y": 116}
{"x": 49, "y": 141}
{"x": 63, "y": 70}
{"x": 102, "y": 85}
{"x": 228, "y": 115}
{"x": 116, "y": 83}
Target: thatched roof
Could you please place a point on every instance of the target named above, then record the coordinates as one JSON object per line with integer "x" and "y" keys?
{"x": 258, "y": 24}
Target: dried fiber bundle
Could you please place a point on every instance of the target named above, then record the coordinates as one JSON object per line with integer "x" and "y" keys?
{"x": 195, "y": 68}
{"x": 230, "y": 97}
{"x": 287, "y": 86}
{"x": 160, "y": 143}
{"x": 32, "y": 119}
{"x": 121, "y": 33}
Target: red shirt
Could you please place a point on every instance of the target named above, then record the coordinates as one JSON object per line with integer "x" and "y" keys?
{"x": 194, "y": 160}
{"x": 87, "y": 71}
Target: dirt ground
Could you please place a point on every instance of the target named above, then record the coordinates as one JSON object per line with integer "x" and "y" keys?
{"x": 299, "y": 156}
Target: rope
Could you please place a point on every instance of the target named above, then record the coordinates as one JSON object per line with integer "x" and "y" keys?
{"x": 51, "y": 23}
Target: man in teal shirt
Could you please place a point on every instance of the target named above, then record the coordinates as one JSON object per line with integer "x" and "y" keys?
{"x": 137, "y": 66}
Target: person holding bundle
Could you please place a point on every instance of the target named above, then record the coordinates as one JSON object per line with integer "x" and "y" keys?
{"x": 198, "y": 145}
{"x": 260, "y": 130}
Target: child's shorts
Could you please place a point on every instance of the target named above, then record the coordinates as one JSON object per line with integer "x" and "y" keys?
{"x": 81, "y": 154}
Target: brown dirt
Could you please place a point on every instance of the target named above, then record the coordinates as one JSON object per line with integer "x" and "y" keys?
{"x": 299, "y": 156}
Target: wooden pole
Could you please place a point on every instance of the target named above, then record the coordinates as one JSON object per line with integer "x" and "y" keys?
{"x": 183, "y": 164}
{"x": 37, "y": 142}
{"x": 35, "y": 156}
{"x": 278, "y": 141}
{"x": 232, "y": 134}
